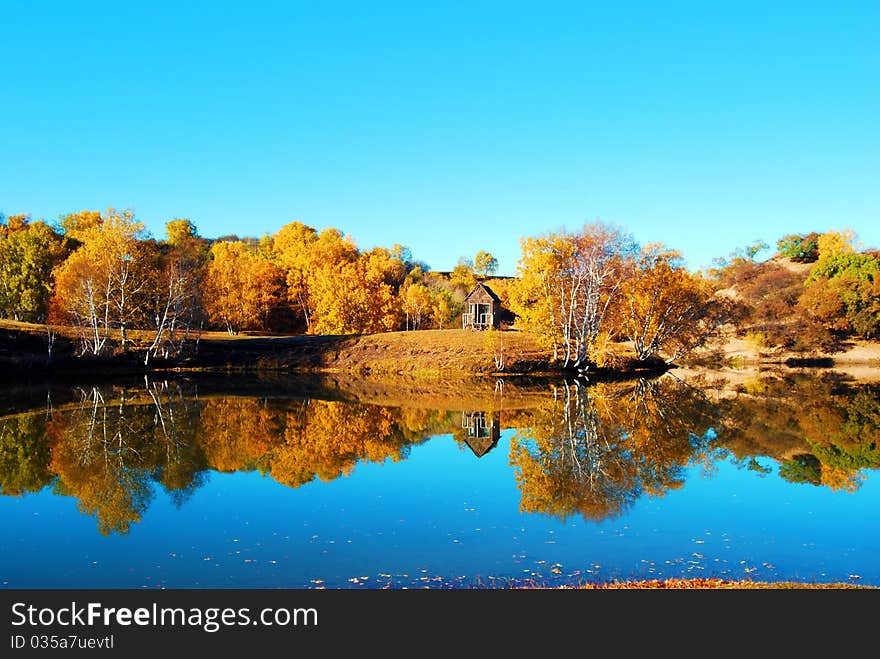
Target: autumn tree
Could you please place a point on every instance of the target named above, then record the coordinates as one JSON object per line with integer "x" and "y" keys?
{"x": 822, "y": 429}
{"x": 29, "y": 253}
{"x": 327, "y": 439}
{"x": 417, "y": 302}
{"x": 179, "y": 231}
{"x": 739, "y": 260}
{"x": 594, "y": 451}
{"x": 178, "y": 267}
{"x": 13, "y": 223}
{"x": 568, "y": 285}
{"x": 236, "y": 432}
{"x": 462, "y": 275}
{"x": 295, "y": 249}
{"x": 667, "y": 310}
{"x": 445, "y": 308}
{"x": 831, "y": 243}
{"x": 360, "y": 296}
{"x": 843, "y": 292}
{"x": 110, "y": 449}
{"x": 241, "y": 286}
{"x": 311, "y": 262}
{"x": 77, "y": 226}
{"x": 534, "y": 298}
{"x": 100, "y": 458}
{"x": 485, "y": 264}
{"x": 842, "y": 289}
{"x": 104, "y": 283}
{"x": 446, "y": 300}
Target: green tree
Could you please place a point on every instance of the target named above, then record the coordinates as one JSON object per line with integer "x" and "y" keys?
{"x": 24, "y": 454}
{"x": 799, "y": 247}
{"x": 29, "y": 253}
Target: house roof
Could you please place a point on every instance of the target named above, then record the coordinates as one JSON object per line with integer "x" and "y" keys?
{"x": 480, "y": 446}
{"x": 489, "y": 291}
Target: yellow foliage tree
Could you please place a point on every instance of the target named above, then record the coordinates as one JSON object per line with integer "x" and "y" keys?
{"x": 295, "y": 248}
{"x": 417, "y": 304}
{"x": 837, "y": 242}
{"x": 568, "y": 285}
{"x": 105, "y": 283}
{"x": 241, "y": 287}
{"x": 76, "y": 225}
{"x": 359, "y": 296}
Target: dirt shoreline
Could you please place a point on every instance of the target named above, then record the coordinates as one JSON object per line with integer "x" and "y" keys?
{"x": 425, "y": 355}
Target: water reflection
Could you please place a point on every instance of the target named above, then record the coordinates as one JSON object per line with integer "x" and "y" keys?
{"x": 821, "y": 430}
{"x": 589, "y": 451}
{"x": 595, "y": 450}
{"x": 481, "y": 431}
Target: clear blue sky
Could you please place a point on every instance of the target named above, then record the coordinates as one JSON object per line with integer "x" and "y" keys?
{"x": 449, "y": 127}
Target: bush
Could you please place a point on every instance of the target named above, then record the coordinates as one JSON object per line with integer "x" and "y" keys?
{"x": 800, "y": 247}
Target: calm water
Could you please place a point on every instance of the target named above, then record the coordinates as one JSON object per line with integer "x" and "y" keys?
{"x": 303, "y": 484}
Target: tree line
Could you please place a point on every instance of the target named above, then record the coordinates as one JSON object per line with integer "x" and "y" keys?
{"x": 102, "y": 273}
{"x": 581, "y": 292}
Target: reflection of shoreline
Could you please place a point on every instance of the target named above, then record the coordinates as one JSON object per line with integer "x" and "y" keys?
{"x": 578, "y": 449}
{"x": 727, "y": 378}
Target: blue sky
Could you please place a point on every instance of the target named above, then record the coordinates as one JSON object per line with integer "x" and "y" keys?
{"x": 449, "y": 127}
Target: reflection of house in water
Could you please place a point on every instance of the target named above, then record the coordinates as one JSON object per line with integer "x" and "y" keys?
{"x": 481, "y": 431}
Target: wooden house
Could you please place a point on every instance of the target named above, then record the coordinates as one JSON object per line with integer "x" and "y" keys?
{"x": 482, "y": 309}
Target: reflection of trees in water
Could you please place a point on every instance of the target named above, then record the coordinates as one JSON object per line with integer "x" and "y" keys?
{"x": 591, "y": 451}
{"x": 822, "y": 430}
{"x": 595, "y": 450}
{"x": 99, "y": 456}
{"x": 176, "y": 428}
{"x": 24, "y": 454}
{"x": 111, "y": 448}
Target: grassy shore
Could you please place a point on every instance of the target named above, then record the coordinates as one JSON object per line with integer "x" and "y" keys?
{"x": 429, "y": 354}
{"x": 435, "y": 355}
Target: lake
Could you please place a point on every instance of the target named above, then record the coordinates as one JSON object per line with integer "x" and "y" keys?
{"x": 245, "y": 482}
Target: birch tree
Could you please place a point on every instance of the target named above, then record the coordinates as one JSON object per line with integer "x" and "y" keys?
{"x": 569, "y": 283}
{"x": 103, "y": 285}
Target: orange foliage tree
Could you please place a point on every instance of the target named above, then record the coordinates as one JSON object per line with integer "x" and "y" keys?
{"x": 667, "y": 310}
{"x": 241, "y": 286}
